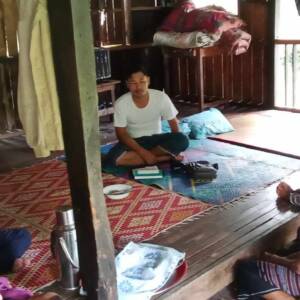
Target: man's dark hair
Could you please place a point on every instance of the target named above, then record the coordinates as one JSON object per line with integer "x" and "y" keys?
{"x": 135, "y": 69}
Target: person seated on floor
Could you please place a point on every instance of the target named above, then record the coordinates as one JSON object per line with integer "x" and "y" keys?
{"x": 272, "y": 277}
{"x": 137, "y": 121}
{"x": 13, "y": 244}
{"x": 288, "y": 197}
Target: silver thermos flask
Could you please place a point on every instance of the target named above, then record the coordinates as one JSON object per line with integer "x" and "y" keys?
{"x": 64, "y": 248}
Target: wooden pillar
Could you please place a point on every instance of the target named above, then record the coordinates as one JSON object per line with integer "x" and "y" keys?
{"x": 167, "y": 68}
{"x": 74, "y": 61}
{"x": 126, "y": 6}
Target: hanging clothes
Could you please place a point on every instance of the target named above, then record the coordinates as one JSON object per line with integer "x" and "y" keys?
{"x": 37, "y": 94}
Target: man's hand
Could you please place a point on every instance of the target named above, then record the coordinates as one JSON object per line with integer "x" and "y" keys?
{"x": 292, "y": 261}
{"x": 283, "y": 190}
{"x": 295, "y": 266}
{"x": 174, "y": 125}
{"x": 148, "y": 157}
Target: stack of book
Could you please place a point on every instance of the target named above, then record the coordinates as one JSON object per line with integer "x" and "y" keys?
{"x": 147, "y": 173}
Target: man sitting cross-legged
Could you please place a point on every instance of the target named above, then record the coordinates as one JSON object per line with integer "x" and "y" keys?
{"x": 137, "y": 121}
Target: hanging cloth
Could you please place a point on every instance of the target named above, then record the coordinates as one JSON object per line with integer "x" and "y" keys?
{"x": 37, "y": 94}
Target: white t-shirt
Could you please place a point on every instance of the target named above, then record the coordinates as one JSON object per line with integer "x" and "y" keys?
{"x": 144, "y": 121}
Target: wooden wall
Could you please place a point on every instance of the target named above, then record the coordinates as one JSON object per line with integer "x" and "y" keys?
{"x": 247, "y": 78}
{"x": 260, "y": 18}
{"x": 8, "y": 66}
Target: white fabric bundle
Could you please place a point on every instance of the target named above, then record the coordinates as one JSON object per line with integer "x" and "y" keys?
{"x": 142, "y": 269}
{"x": 185, "y": 39}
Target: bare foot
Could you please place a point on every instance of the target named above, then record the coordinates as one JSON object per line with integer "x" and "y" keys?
{"x": 20, "y": 264}
{"x": 163, "y": 158}
{"x": 179, "y": 157}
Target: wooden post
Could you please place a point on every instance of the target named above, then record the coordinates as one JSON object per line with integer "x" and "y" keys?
{"x": 126, "y": 6}
{"x": 74, "y": 61}
{"x": 2, "y": 32}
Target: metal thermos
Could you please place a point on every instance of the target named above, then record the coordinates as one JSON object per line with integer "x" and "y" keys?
{"x": 64, "y": 248}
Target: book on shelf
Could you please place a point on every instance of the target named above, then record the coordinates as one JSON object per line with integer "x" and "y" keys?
{"x": 153, "y": 175}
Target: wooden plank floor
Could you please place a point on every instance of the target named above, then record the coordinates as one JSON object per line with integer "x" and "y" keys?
{"x": 15, "y": 153}
{"x": 213, "y": 242}
{"x": 272, "y": 130}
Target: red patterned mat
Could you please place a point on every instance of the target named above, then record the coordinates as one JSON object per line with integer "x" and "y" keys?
{"x": 29, "y": 196}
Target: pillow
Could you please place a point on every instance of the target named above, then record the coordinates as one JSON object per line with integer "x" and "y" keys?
{"x": 183, "y": 126}
{"x": 208, "y": 123}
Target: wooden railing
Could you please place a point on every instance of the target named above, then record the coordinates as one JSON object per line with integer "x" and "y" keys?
{"x": 202, "y": 75}
{"x": 287, "y": 74}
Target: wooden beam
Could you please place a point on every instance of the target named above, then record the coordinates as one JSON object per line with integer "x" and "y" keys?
{"x": 74, "y": 60}
{"x": 126, "y": 5}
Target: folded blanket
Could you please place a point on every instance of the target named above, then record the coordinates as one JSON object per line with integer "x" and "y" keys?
{"x": 189, "y": 27}
{"x": 186, "y": 39}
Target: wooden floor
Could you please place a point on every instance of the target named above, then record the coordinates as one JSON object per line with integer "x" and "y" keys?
{"x": 213, "y": 242}
{"x": 15, "y": 153}
{"x": 272, "y": 130}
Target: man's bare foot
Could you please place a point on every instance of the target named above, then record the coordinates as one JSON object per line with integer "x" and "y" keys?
{"x": 20, "y": 264}
{"x": 163, "y": 158}
{"x": 179, "y": 157}
{"x": 161, "y": 150}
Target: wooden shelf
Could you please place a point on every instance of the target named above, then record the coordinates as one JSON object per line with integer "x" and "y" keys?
{"x": 129, "y": 25}
{"x": 105, "y": 111}
{"x": 143, "y": 8}
{"x": 124, "y": 47}
{"x": 107, "y": 86}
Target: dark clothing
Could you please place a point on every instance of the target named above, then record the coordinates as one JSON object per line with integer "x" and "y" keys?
{"x": 249, "y": 282}
{"x": 172, "y": 142}
{"x": 13, "y": 244}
